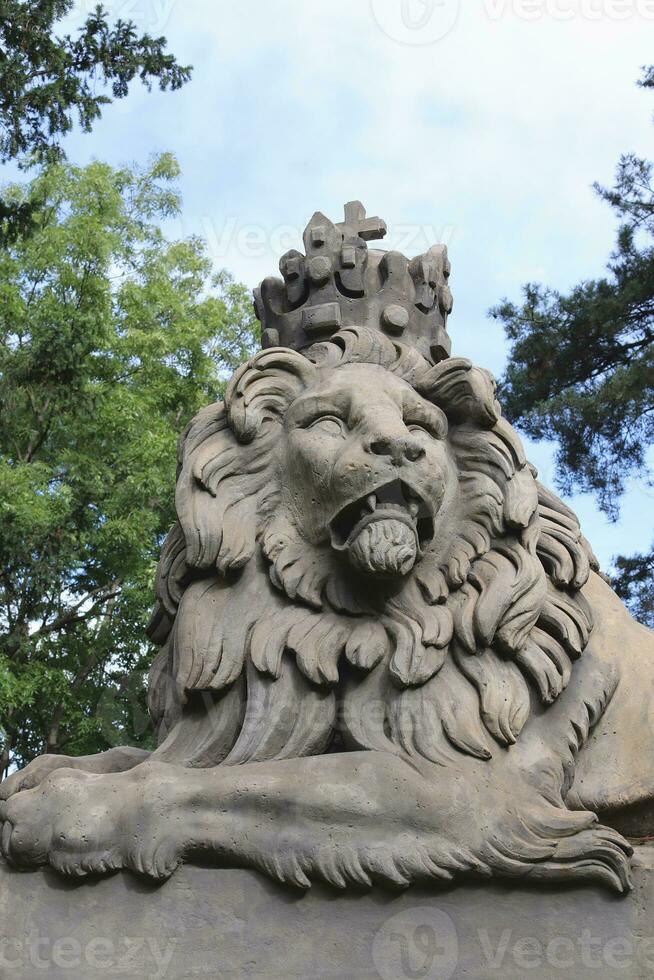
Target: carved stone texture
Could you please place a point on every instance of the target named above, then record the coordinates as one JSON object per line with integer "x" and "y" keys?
{"x": 231, "y": 924}
{"x": 387, "y": 653}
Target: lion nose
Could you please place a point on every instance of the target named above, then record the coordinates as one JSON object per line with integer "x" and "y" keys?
{"x": 399, "y": 449}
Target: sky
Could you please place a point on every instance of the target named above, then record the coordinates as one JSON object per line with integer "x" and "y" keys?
{"x": 479, "y": 123}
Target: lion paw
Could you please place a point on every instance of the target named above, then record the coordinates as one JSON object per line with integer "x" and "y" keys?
{"x": 561, "y": 845}
{"x": 597, "y": 854}
{"x": 33, "y": 774}
{"x": 81, "y": 823}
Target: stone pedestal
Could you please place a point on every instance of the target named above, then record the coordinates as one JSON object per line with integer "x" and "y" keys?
{"x": 232, "y": 924}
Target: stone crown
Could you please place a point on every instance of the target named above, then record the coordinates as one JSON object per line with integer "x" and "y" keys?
{"x": 340, "y": 282}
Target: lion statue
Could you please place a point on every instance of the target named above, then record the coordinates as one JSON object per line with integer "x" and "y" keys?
{"x": 387, "y": 651}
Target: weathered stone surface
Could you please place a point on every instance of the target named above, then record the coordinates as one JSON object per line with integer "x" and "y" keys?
{"x": 231, "y": 925}
{"x": 388, "y": 655}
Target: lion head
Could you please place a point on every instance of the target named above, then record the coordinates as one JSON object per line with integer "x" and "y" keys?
{"x": 363, "y": 469}
{"x": 363, "y": 549}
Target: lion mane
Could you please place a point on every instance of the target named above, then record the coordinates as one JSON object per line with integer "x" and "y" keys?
{"x": 270, "y": 647}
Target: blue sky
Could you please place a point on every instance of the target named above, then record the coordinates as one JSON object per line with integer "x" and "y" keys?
{"x": 481, "y": 123}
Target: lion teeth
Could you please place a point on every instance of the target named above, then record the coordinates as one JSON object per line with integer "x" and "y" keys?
{"x": 414, "y": 507}
{"x": 371, "y": 502}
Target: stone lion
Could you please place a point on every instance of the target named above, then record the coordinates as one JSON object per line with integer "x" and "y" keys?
{"x": 387, "y": 652}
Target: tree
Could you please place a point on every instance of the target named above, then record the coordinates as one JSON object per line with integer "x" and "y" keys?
{"x": 581, "y": 366}
{"x": 111, "y": 338}
{"x": 47, "y": 82}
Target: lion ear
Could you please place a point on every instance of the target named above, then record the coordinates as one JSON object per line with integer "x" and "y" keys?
{"x": 264, "y": 387}
{"x": 465, "y": 393}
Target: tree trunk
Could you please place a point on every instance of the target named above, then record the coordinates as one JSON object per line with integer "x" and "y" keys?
{"x": 5, "y": 754}
{"x": 52, "y": 745}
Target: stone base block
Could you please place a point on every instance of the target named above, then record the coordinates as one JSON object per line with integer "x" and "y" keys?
{"x": 232, "y": 924}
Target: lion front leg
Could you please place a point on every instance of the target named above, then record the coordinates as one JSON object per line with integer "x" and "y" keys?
{"x": 350, "y": 819}
{"x": 118, "y": 759}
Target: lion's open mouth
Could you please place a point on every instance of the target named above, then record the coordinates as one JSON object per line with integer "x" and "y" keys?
{"x": 394, "y": 501}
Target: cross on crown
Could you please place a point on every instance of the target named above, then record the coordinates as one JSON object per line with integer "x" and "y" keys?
{"x": 356, "y": 223}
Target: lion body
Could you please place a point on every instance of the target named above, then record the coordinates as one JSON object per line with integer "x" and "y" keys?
{"x": 380, "y": 634}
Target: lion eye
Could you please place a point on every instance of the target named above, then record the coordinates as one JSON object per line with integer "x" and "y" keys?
{"x": 330, "y": 425}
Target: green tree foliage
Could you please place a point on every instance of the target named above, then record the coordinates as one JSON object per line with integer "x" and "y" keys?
{"x": 111, "y": 338}
{"x": 581, "y": 366}
{"x": 47, "y": 83}
{"x": 633, "y": 582}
